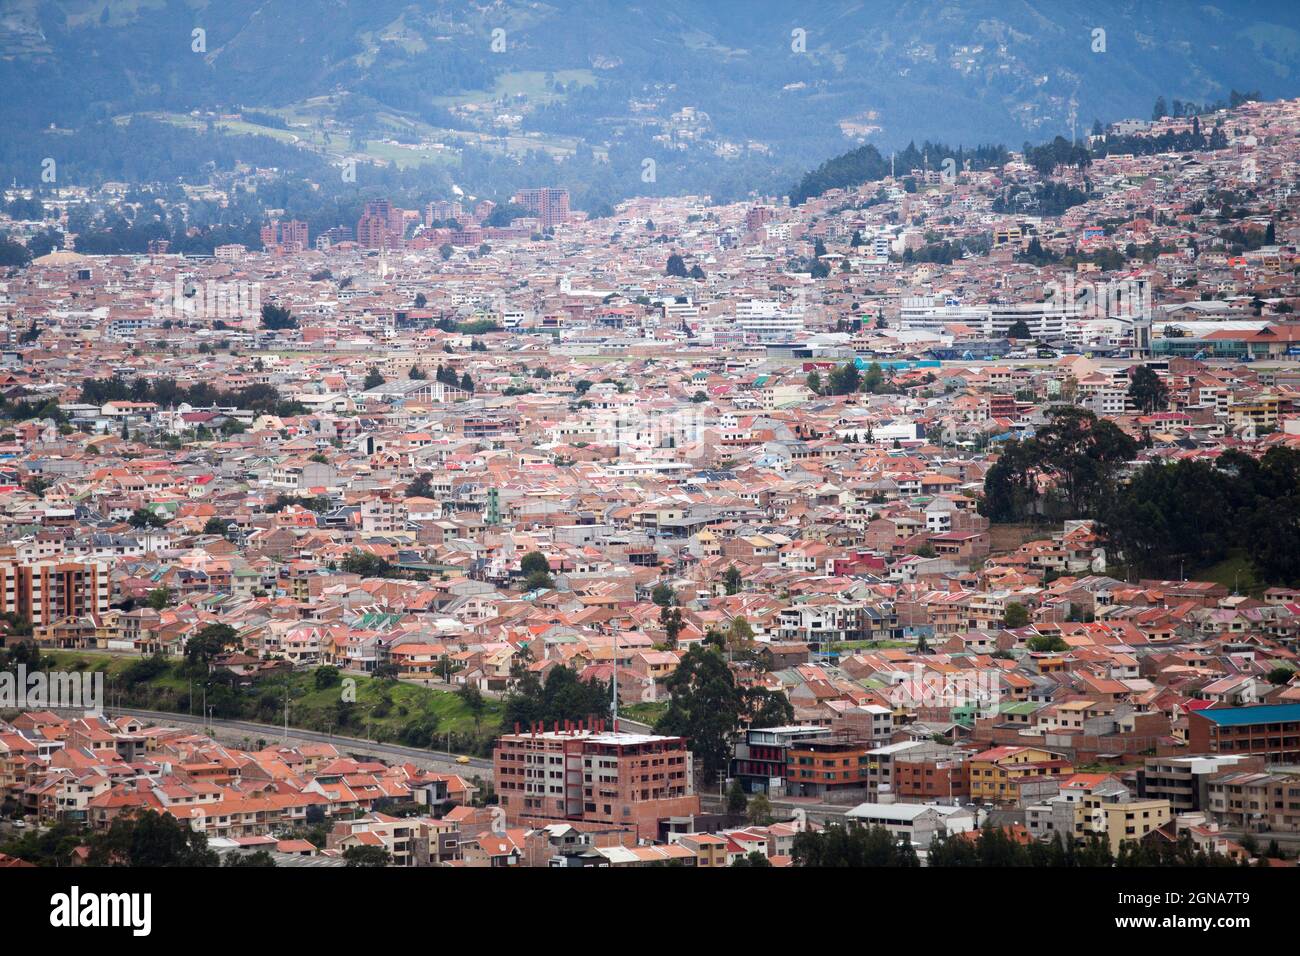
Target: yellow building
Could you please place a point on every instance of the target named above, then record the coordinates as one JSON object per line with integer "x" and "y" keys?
{"x": 1123, "y": 822}
{"x": 996, "y": 774}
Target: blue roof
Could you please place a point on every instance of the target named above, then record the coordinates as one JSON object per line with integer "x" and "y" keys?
{"x": 1262, "y": 714}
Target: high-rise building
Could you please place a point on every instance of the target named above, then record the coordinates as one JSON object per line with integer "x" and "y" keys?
{"x": 442, "y": 210}
{"x": 381, "y": 226}
{"x": 550, "y": 206}
{"x": 291, "y": 236}
{"x": 46, "y": 591}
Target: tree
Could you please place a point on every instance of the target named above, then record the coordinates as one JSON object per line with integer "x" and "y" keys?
{"x": 1015, "y": 615}
{"x": 146, "y": 518}
{"x": 421, "y": 486}
{"x": 732, "y": 580}
{"x": 277, "y": 318}
{"x": 1146, "y": 390}
{"x": 367, "y": 856}
{"x": 1069, "y": 467}
{"x": 663, "y": 595}
{"x": 1047, "y": 644}
{"x": 474, "y": 702}
{"x": 676, "y": 266}
{"x": 563, "y": 696}
{"x": 852, "y": 846}
{"x": 751, "y": 859}
{"x": 814, "y": 382}
{"x": 208, "y": 643}
{"x": 737, "y": 802}
{"x": 874, "y": 379}
{"x": 216, "y": 526}
{"x": 760, "y": 811}
{"x": 844, "y": 380}
{"x": 158, "y": 598}
{"x": 374, "y": 378}
{"x": 150, "y": 839}
{"x": 1019, "y": 330}
{"x": 467, "y": 383}
{"x": 534, "y": 562}
{"x": 705, "y": 708}
{"x": 671, "y": 619}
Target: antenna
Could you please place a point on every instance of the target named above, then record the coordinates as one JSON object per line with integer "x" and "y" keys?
{"x": 613, "y": 681}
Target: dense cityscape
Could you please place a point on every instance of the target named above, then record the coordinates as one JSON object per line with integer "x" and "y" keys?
{"x": 941, "y": 511}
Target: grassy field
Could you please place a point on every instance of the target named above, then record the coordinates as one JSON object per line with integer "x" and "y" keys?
{"x": 385, "y": 710}
{"x": 643, "y": 713}
{"x": 1234, "y": 573}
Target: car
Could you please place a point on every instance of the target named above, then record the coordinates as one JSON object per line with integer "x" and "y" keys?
{"x": 462, "y": 759}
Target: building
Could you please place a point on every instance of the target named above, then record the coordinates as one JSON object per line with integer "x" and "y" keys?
{"x": 996, "y": 775}
{"x": 550, "y": 206}
{"x": 1256, "y": 801}
{"x": 381, "y": 226}
{"x": 290, "y": 236}
{"x": 630, "y": 780}
{"x": 1184, "y": 781}
{"x": 761, "y": 760}
{"x": 1271, "y": 730}
{"x": 820, "y": 766}
{"x": 46, "y": 591}
{"x": 918, "y": 823}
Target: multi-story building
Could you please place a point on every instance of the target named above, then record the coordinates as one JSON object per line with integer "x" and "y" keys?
{"x": 1272, "y": 730}
{"x": 549, "y": 205}
{"x": 996, "y": 775}
{"x": 1256, "y": 801}
{"x": 825, "y": 765}
{"x": 1184, "y": 781}
{"x": 290, "y": 236}
{"x": 381, "y": 225}
{"x": 760, "y": 762}
{"x": 46, "y": 591}
{"x": 631, "y": 780}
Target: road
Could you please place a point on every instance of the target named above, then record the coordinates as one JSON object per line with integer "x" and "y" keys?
{"x": 392, "y": 753}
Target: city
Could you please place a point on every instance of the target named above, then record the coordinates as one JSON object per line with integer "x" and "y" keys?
{"x": 941, "y": 510}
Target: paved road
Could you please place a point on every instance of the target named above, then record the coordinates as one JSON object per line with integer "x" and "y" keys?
{"x": 353, "y": 745}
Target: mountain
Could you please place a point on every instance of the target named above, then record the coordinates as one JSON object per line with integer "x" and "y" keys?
{"x": 722, "y": 81}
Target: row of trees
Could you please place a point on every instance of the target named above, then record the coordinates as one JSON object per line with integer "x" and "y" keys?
{"x": 167, "y": 393}
{"x": 1191, "y": 513}
{"x": 1168, "y": 517}
{"x": 1068, "y": 469}
{"x": 857, "y": 846}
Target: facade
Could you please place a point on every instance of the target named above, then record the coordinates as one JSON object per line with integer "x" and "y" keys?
{"x": 1271, "y": 730}
{"x": 762, "y": 760}
{"x": 45, "y": 591}
{"x": 1254, "y": 801}
{"x": 549, "y": 205}
{"x": 630, "y": 780}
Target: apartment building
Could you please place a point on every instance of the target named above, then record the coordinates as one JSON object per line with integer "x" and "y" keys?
{"x": 596, "y": 776}
{"x": 46, "y": 591}
{"x": 1272, "y": 730}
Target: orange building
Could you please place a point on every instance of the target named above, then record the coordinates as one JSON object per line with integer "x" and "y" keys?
{"x": 814, "y": 767}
